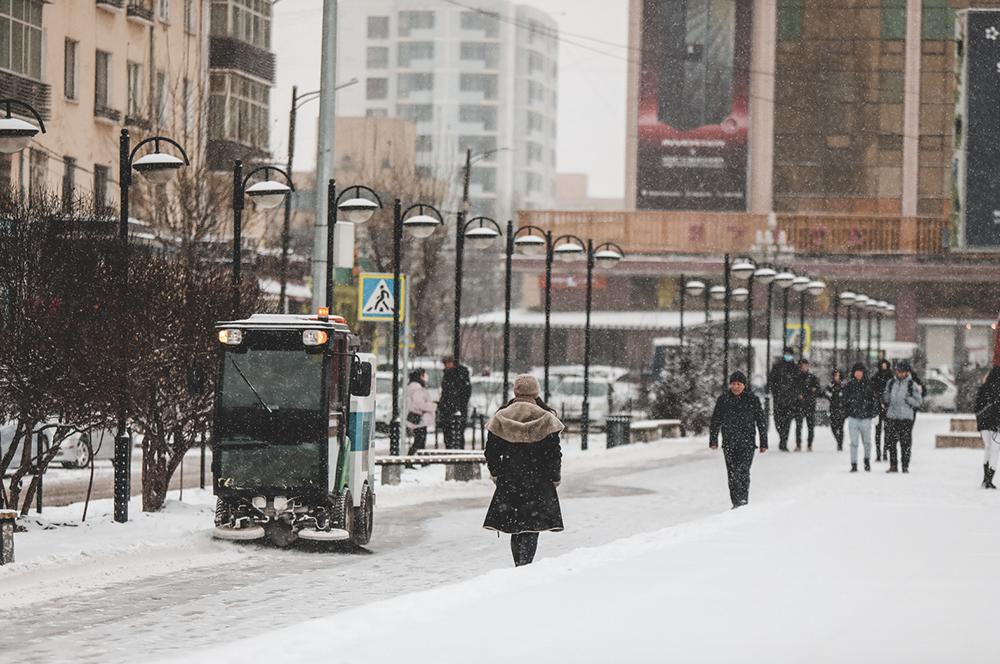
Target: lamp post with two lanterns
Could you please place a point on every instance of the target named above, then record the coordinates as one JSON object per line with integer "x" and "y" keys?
{"x": 481, "y": 232}
{"x": 158, "y": 168}
{"x": 530, "y": 244}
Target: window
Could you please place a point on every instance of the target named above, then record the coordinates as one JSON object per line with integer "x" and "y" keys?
{"x": 534, "y": 182}
{"x": 536, "y": 92}
{"x": 379, "y": 113}
{"x": 890, "y": 87}
{"x": 38, "y": 171}
{"x": 937, "y": 20}
{"x": 415, "y": 21}
{"x": 190, "y": 16}
{"x": 378, "y": 27}
{"x": 536, "y": 62}
{"x": 478, "y": 20}
{"x": 789, "y": 19}
{"x": 162, "y": 98}
{"x": 482, "y": 145}
{"x": 187, "y": 123}
{"x": 101, "y": 177}
{"x": 536, "y": 122}
{"x": 425, "y": 143}
{"x": 71, "y": 69}
{"x": 133, "y": 99}
{"x": 408, "y": 51}
{"x": 239, "y": 109}
{"x": 487, "y": 115}
{"x": 489, "y": 53}
{"x": 534, "y": 152}
{"x": 251, "y": 21}
{"x": 893, "y": 19}
{"x": 163, "y": 10}
{"x": 485, "y": 178}
{"x": 488, "y": 84}
{"x": 21, "y": 37}
{"x": 414, "y": 83}
{"x": 416, "y": 112}
{"x": 377, "y": 88}
{"x": 102, "y": 86}
{"x": 378, "y": 57}
{"x": 68, "y": 183}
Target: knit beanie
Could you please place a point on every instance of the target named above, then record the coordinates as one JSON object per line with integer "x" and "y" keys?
{"x": 526, "y": 385}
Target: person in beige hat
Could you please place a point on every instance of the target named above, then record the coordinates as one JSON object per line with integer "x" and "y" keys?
{"x": 525, "y": 461}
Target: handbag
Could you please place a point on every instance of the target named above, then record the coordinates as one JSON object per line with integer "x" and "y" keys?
{"x": 413, "y": 418}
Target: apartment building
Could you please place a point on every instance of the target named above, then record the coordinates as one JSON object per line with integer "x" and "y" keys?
{"x": 154, "y": 67}
{"x": 480, "y": 78}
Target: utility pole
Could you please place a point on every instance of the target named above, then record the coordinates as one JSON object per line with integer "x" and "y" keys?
{"x": 324, "y": 148}
{"x": 287, "y": 227}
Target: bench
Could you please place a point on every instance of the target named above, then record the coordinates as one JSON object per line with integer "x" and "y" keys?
{"x": 459, "y": 465}
{"x": 644, "y": 431}
{"x": 7, "y": 520}
{"x": 963, "y": 433}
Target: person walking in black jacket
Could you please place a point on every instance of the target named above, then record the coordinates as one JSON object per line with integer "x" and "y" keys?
{"x": 834, "y": 393}
{"x": 808, "y": 390}
{"x": 453, "y": 406}
{"x": 861, "y": 405}
{"x": 879, "y": 381}
{"x": 782, "y": 383}
{"x": 988, "y": 424}
{"x": 738, "y": 416}
{"x": 524, "y": 459}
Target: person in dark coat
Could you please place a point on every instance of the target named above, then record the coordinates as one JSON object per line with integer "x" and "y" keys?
{"x": 525, "y": 461}
{"x": 453, "y": 406}
{"x": 861, "y": 405}
{"x": 808, "y": 390}
{"x": 902, "y": 398}
{"x": 782, "y": 383}
{"x": 988, "y": 423}
{"x": 879, "y": 381}
{"x": 739, "y": 417}
{"x": 834, "y": 393}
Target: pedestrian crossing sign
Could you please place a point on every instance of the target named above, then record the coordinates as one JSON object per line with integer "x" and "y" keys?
{"x": 376, "y": 298}
{"x": 794, "y": 337}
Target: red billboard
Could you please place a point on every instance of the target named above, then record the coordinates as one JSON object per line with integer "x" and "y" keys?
{"x": 694, "y": 105}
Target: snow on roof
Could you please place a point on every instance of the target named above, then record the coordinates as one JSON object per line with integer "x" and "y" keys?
{"x": 617, "y": 320}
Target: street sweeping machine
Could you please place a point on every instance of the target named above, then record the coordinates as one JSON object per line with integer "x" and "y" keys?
{"x": 294, "y": 416}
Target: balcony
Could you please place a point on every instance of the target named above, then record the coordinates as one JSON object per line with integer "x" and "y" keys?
{"x": 651, "y": 232}
{"x": 225, "y": 53}
{"x": 141, "y": 10}
{"x": 111, "y": 5}
{"x": 105, "y": 113}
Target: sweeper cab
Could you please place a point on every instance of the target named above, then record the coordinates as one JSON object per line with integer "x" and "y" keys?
{"x": 294, "y": 417}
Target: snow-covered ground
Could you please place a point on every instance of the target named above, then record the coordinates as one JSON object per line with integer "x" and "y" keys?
{"x": 822, "y": 566}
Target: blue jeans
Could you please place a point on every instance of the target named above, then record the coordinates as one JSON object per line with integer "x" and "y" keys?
{"x": 863, "y": 428}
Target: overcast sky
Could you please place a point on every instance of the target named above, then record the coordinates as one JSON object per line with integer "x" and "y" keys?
{"x": 592, "y": 67}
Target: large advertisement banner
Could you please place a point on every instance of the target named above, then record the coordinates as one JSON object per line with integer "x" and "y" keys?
{"x": 694, "y": 105}
{"x": 982, "y": 120}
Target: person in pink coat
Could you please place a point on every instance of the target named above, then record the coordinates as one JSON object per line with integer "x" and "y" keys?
{"x": 418, "y": 410}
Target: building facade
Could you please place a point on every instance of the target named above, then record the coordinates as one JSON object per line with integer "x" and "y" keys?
{"x": 480, "y": 79}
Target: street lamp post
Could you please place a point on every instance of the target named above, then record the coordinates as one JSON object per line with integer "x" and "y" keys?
{"x": 420, "y": 225}
{"x": 847, "y": 298}
{"x": 766, "y": 276}
{"x": 481, "y": 237}
{"x": 800, "y": 285}
{"x": 784, "y": 280}
{"x": 745, "y": 269}
{"x": 157, "y": 168}
{"x": 695, "y": 288}
{"x": 15, "y": 134}
{"x": 606, "y": 256}
{"x": 836, "y": 317}
{"x": 532, "y": 245}
{"x": 725, "y": 334}
{"x": 268, "y": 194}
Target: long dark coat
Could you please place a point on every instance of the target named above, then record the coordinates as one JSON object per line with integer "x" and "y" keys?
{"x": 783, "y": 382}
{"x": 523, "y": 454}
{"x": 988, "y": 402}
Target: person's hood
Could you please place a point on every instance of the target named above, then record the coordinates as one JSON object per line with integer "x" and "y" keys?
{"x": 523, "y": 422}
{"x": 864, "y": 369}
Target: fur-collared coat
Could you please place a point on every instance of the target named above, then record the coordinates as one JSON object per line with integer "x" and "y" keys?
{"x": 523, "y": 454}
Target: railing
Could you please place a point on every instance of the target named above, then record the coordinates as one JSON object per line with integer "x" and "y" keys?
{"x": 107, "y": 113}
{"x": 141, "y": 9}
{"x": 117, "y": 4}
{"x": 647, "y": 232}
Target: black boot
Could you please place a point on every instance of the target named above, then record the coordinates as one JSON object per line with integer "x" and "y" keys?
{"x": 989, "y": 478}
{"x": 986, "y": 476}
{"x": 868, "y": 465}
{"x": 854, "y": 467}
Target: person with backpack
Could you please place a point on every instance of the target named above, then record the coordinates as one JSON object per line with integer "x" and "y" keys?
{"x": 988, "y": 423}
{"x": 902, "y": 398}
{"x": 861, "y": 406}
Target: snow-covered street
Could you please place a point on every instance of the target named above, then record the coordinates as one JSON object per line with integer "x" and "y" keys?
{"x": 822, "y": 565}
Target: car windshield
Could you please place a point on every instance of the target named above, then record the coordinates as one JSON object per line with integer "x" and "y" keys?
{"x": 277, "y": 379}
{"x": 574, "y": 388}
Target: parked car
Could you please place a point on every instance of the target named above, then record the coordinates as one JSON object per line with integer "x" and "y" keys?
{"x": 940, "y": 395}
{"x": 567, "y": 400}
{"x": 487, "y": 395}
{"x": 73, "y": 450}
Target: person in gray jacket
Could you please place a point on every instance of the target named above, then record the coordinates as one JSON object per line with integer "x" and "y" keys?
{"x": 902, "y": 398}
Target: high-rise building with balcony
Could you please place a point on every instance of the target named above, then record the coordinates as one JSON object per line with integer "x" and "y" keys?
{"x": 480, "y": 78}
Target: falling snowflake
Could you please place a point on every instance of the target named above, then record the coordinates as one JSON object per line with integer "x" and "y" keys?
{"x": 992, "y": 33}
